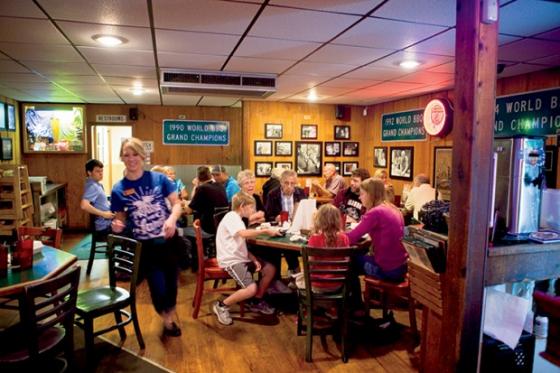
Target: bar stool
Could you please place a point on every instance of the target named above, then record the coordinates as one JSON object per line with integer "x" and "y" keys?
{"x": 388, "y": 294}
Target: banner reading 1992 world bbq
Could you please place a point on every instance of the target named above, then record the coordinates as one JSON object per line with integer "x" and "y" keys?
{"x": 403, "y": 126}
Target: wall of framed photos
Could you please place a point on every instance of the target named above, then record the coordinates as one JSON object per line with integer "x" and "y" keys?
{"x": 10, "y": 131}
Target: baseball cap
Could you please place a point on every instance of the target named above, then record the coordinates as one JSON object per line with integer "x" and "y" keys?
{"x": 217, "y": 169}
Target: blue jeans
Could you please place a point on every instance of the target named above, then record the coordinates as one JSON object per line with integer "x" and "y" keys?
{"x": 367, "y": 265}
{"x": 159, "y": 265}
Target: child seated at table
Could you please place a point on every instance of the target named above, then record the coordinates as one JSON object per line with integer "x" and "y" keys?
{"x": 178, "y": 183}
{"x": 233, "y": 256}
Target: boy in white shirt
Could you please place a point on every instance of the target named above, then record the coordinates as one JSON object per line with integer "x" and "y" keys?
{"x": 233, "y": 256}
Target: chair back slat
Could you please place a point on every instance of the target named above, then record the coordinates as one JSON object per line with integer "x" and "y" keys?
{"x": 219, "y": 213}
{"x": 124, "y": 257}
{"x": 48, "y": 236}
{"x": 199, "y": 244}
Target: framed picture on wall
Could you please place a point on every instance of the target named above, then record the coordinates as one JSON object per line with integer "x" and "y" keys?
{"x": 309, "y": 131}
{"x": 350, "y": 149}
{"x": 7, "y": 153}
{"x": 3, "y": 117}
{"x": 263, "y": 169}
{"x": 284, "y": 165}
{"x": 263, "y": 147}
{"x": 11, "y": 117}
{"x": 273, "y": 130}
{"x": 342, "y": 132}
{"x": 282, "y": 148}
{"x": 442, "y": 171}
{"x": 335, "y": 164}
{"x": 402, "y": 162}
{"x": 550, "y": 165}
{"x": 332, "y": 149}
{"x": 348, "y": 167}
{"x": 380, "y": 157}
{"x": 308, "y": 158}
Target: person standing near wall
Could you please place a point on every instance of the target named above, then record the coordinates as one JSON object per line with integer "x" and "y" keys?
{"x": 94, "y": 201}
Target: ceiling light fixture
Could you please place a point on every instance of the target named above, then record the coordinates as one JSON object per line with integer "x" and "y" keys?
{"x": 409, "y": 64}
{"x": 137, "y": 91}
{"x": 312, "y": 96}
{"x": 109, "y": 40}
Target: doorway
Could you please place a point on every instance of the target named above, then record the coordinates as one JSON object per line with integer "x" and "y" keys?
{"x": 105, "y": 144}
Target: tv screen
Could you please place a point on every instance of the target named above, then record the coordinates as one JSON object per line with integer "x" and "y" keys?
{"x": 54, "y": 128}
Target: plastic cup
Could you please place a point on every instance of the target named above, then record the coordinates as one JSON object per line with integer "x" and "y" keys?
{"x": 284, "y": 215}
{"x": 3, "y": 261}
{"x": 24, "y": 253}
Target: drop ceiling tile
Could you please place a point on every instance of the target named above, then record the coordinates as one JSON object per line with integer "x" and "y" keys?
{"x": 17, "y": 94}
{"x": 69, "y": 80}
{"x": 195, "y": 42}
{"x": 204, "y": 15}
{"x": 381, "y": 33}
{"x": 103, "y": 100}
{"x": 529, "y": 17}
{"x": 9, "y": 66}
{"x": 505, "y": 39}
{"x": 218, "y": 101}
{"x": 40, "y": 52}
{"x": 131, "y": 82}
{"x": 21, "y": 77}
{"x": 425, "y": 77}
{"x": 448, "y": 67}
{"x": 121, "y": 12}
{"x": 118, "y": 56}
{"x": 80, "y": 34}
{"x": 146, "y": 98}
{"x": 435, "y": 12}
{"x": 376, "y": 73}
{"x": 426, "y": 60}
{"x": 337, "y": 6}
{"x": 291, "y": 83}
{"x": 19, "y": 8}
{"x": 327, "y": 70}
{"x": 550, "y": 35}
{"x": 521, "y": 68}
{"x": 185, "y": 100}
{"x": 126, "y": 71}
{"x": 25, "y": 30}
{"x": 526, "y": 49}
{"x": 388, "y": 88}
{"x": 59, "y": 68}
{"x": 350, "y": 83}
{"x": 549, "y": 61}
{"x": 443, "y": 44}
{"x": 297, "y": 24}
{"x": 275, "y": 48}
{"x": 348, "y": 55}
{"x": 190, "y": 61}
{"x": 26, "y": 85}
{"x": 127, "y": 90}
{"x": 257, "y": 65}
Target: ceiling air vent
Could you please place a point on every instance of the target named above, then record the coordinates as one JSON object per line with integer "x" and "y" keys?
{"x": 217, "y": 83}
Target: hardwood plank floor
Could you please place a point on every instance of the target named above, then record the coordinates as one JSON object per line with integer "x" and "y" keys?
{"x": 255, "y": 343}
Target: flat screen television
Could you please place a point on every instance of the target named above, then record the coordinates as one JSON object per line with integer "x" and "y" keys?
{"x": 54, "y": 128}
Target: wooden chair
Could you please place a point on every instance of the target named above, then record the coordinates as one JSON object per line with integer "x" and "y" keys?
{"x": 387, "y": 295}
{"x": 48, "y": 236}
{"x": 328, "y": 266}
{"x": 219, "y": 213}
{"x": 98, "y": 244}
{"x": 208, "y": 269}
{"x": 124, "y": 259}
{"x": 46, "y": 326}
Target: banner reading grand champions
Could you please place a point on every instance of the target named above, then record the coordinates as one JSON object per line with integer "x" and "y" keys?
{"x": 403, "y": 126}
{"x": 195, "y": 132}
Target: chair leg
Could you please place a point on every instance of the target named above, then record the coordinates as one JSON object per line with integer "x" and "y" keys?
{"x": 344, "y": 333}
{"x": 91, "y": 255}
{"x": 198, "y": 297}
{"x": 88, "y": 333}
{"x": 367, "y": 297}
{"x": 69, "y": 347}
{"x": 136, "y": 324}
{"x": 309, "y": 336}
{"x": 384, "y": 300}
{"x": 412, "y": 317}
{"x": 118, "y": 319}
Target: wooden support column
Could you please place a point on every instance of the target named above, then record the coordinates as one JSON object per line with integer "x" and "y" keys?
{"x": 473, "y": 132}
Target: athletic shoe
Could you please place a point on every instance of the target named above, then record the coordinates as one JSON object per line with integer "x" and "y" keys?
{"x": 172, "y": 331}
{"x": 261, "y": 307}
{"x": 222, "y": 312}
{"x": 281, "y": 288}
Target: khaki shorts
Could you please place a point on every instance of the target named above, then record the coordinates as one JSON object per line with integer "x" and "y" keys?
{"x": 242, "y": 273}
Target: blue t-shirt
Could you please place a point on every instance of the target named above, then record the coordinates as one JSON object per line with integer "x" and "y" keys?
{"x": 179, "y": 186}
{"x": 95, "y": 194}
{"x": 231, "y": 188}
{"x": 143, "y": 201}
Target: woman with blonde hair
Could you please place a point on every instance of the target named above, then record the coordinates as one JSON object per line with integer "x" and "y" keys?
{"x": 385, "y": 225}
{"x": 389, "y": 190}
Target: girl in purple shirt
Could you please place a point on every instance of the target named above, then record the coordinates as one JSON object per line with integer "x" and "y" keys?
{"x": 385, "y": 225}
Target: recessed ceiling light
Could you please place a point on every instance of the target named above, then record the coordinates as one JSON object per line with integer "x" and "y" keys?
{"x": 409, "y": 64}
{"x": 109, "y": 40}
{"x": 312, "y": 96}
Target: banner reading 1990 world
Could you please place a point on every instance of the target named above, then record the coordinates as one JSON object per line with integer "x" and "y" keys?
{"x": 403, "y": 126}
{"x": 195, "y": 132}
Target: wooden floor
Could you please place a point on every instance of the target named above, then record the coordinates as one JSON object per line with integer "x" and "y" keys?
{"x": 253, "y": 344}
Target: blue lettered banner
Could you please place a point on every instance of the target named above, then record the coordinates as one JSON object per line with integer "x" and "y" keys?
{"x": 528, "y": 114}
{"x": 195, "y": 132}
{"x": 403, "y": 126}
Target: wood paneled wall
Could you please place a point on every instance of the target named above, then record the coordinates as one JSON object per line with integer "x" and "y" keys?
{"x": 16, "y": 144}
{"x": 292, "y": 116}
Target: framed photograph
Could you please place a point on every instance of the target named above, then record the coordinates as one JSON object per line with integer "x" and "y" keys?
{"x": 308, "y": 158}
{"x": 442, "y": 171}
{"x": 283, "y": 148}
{"x": 348, "y": 167}
{"x": 284, "y": 165}
{"x": 332, "y": 149}
{"x": 402, "y": 162}
{"x": 342, "y": 132}
{"x": 380, "y": 157}
{"x": 263, "y": 147}
{"x": 11, "y": 117}
{"x": 308, "y": 131}
{"x": 3, "y": 117}
{"x": 7, "y": 153}
{"x": 263, "y": 169}
{"x": 550, "y": 164}
{"x": 335, "y": 164}
{"x": 350, "y": 149}
{"x": 273, "y": 130}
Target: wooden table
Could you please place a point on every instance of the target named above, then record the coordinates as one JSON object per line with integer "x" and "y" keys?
{"x": 284, "y": 243}
{"x": 47, "y": 264}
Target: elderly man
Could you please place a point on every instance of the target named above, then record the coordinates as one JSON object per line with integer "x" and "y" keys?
{"x": 285, "y": 198}
{"x": 420, "y": 194}
{"x": 333, "y": 182}
{"x": 348, "y": 199}
{"x": 228, "y": 182}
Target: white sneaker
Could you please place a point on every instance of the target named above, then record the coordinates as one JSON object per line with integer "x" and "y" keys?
{"x": 223, "y": 314}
